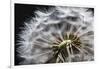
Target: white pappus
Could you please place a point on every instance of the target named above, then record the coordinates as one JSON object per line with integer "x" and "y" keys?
{"x": 61, "y": 34}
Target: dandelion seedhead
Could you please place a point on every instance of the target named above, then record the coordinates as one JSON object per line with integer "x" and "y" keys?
{"x": 60, "y": 34}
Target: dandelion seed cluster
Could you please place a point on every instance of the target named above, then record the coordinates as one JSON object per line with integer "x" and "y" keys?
{"x": 61, "y": 34}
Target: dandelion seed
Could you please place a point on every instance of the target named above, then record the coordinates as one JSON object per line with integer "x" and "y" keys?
{"x": 57, "y": 36}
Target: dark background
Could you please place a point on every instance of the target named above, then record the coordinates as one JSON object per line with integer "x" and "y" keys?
{"x": 23, "y": 13}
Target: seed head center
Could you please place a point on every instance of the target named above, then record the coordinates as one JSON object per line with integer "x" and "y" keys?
{"x": 68, "y": 41}
{"x": 65, "y": 42}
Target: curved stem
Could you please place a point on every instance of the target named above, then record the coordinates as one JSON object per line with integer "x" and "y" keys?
{"x": 69, "y": 55}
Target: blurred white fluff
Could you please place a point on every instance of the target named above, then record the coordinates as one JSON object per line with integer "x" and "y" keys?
{"x": 37, "y": 37}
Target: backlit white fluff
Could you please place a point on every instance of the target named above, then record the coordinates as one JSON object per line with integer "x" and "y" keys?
{"x": 37, "y": 38}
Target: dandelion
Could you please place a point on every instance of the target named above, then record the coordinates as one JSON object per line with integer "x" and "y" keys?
{"x": 61, "y": 34}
